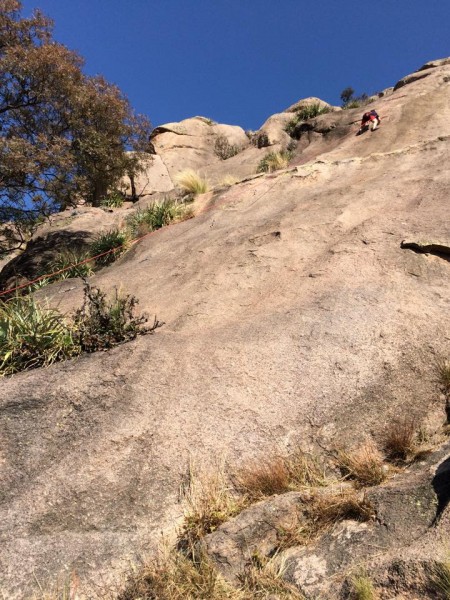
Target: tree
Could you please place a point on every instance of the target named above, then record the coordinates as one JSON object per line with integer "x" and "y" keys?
{"x": 347, "y": 95}
{"x": 63, "y": 135}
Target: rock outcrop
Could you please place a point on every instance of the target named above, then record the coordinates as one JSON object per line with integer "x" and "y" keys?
{"x": 291, "y": 313}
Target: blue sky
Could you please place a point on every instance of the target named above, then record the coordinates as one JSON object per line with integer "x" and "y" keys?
{"x": 239, "y": 61}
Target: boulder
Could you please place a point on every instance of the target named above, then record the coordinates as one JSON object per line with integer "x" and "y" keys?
{"x": 154, "y": 177}
{"x": 308, "y": 102}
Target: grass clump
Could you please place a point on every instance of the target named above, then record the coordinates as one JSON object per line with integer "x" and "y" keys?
{"x": 223, "y": 149}
{"x": 100, "y": 324}
{"x": 155, "y": 216}
{"x": 274, "y": 161}
{"x": 324, "y": 510}
{"x": 401, "y": 443}
{"x": 113, "y": 242}
{"x": 176, "y": 577}
{"x": 32, "y": 336}
{"x": 440, "y": 579}
{"x": 277, "y": 474}
{"x": 364, "y": 465}
{"x": 69, "y": 263}
{"x": 362, "y": 587}
{"x": 444, "y": 375}
{"x": 264, "y": 579}
{"x": 210, "y": 501}
{"x": 113, "y": 200}
{"x": 191, "y": 182}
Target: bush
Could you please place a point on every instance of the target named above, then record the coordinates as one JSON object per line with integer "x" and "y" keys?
{"x": 274, "y": 161}
{"x": 155, "y": 216}
{"x": 258, "y": 139}
{"x": 101, "y": 325}
{"x": 224, "y": 149}
{"x": 349, "y": 100}
{"x": 111, "y": 244}
{"x": 305, "y": 113}
{"x": 32, "y": 336}
{"x": 400, "y": 440}
{"x": 190, "y": 181}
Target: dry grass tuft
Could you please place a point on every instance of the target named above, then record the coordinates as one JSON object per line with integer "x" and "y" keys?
{"x": 440, "y": 579}
{"x": 176, "y": 577}
{"x": 228, "y": 180}
{"x": 209, "y": 501}
{"x": 400, "y": 442}
{"x": 277, "y": 474}
{"x": 193, "y": 183}
{"x": 364, "y": 465}
{"x": 274, "y": 161}
{"x": 324, "y": 510}
{"x": 264, "y": 579}
{"x": 362, "y": 587}
{"x": 444, "y": 375}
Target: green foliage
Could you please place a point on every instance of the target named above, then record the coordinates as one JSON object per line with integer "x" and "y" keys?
{"x": 303, "y": 114}
{"x": 115, "y": 239}
{"x": 100, "y": 324}
{"x": 224, "y": 149}
{"x": 362, "y": 587}
{"x": 65, "y": 135}
{"x": 274, "y": 161}
{"x": 114, "y": 199}
{"x": 32, "y": 336}
{"x": 155, "y": 216}
{"x": 69, "y": 260}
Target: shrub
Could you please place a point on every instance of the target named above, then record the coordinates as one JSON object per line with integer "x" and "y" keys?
{"x": 260, "y": 139}
{"x": 113, "y": 242}
{"x": 69, "y": 260}
{"x": 190, "y": 181}
{"x": 155, "y": 216}
{"x": 224, "y": 149}
{"x": 303, "y": 114}
{"x": 363, "y": 464}
{"x": 114, "y": 199}
{"x": 274, "y": 161}
{"x": 32, "y": 336}
{"x": 101, "y": 325}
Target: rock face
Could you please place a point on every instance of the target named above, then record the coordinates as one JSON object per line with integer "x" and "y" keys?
{"x": 291, "y": 312}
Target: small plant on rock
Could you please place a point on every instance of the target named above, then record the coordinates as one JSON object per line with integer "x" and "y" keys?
{"x": 440, "y": 579}
{"x": 155, "y": 216}
{"x": 364, "y": 464}
{"x": 362, "y": 587}
{"x": 223, "y": 149}
{"x": 69, "y": 263}
{"x": 400, "y": 440}
{"x": 274, "y": 161}
{"x": 114, "y": 199}
{"x": 110, "y": 246}
{"x": 100, "y": 324}
{"x": 32, "y": 336}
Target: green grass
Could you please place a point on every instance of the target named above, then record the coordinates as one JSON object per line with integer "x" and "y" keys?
{"x": 32, "y": 336}
{"x": 155, "y": 216}
{"x": 305, "y": 113}
{"x": 440, "y": 579}
{"x": 362, "y": 587}
{"x": 115, "y": 240}
{"x": 69, "y": 260}
{"x": 113, "y": 200}
{"x": 274, "y": 161}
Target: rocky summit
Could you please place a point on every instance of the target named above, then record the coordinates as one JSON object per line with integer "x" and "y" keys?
{"x": 306, "y": 307}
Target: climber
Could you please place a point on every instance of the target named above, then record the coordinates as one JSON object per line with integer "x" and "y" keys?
{"x": 368, "y": 119}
